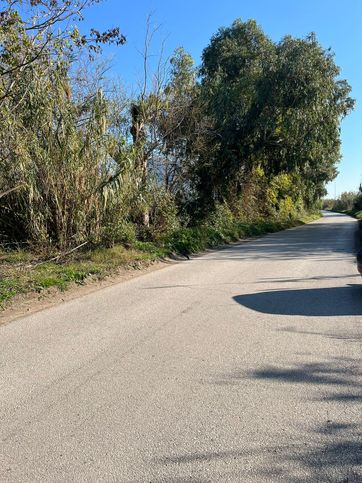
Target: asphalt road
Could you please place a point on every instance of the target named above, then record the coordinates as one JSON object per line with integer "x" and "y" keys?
{"x": 243, "y": 365}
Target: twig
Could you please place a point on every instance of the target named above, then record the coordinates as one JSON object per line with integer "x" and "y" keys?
{"x": 61, "y": 255}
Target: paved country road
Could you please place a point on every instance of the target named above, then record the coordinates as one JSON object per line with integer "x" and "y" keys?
{"x": 243, "y": 365}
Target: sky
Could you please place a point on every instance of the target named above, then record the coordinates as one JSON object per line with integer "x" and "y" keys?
{"x": 191, "y": 24}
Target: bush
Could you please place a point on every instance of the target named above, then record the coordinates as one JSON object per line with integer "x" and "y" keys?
{"x": 122, "y": 232}
{"x": 345, "y": 202}
{"x": 164, "y": 218}
{"x": 187, "y": 240}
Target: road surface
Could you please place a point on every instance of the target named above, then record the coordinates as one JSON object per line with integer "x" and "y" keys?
{"x": 243, "y": 365}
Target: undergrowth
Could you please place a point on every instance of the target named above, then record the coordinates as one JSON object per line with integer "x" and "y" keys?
{"x": 20, "y": 273}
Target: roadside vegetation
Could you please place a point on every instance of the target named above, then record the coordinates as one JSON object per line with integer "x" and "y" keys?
{"x": 349, "y": 202}
{"x": 93, "y": 177}
{"x": 22, "y": 271}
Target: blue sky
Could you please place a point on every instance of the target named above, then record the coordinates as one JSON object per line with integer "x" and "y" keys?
{"x": 192, "y": 23}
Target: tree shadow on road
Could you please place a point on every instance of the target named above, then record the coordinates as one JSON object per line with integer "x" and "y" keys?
{"x": 337, "y": 380}
{"x": 269, "y": 280}
{"x": 309, "y": 241}
{"x": 324, "y": 451}
{"x": 316, "y": 302}
{"x": 347, "y": 334}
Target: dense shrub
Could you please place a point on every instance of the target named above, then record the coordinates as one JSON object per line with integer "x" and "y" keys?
{"x": 193, "y": 158}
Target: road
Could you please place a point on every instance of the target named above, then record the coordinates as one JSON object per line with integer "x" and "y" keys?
{"x": 242, "y": 365}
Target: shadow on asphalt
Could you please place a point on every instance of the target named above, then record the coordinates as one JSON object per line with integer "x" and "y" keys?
{"x": 341, "y": 372}
{"x": 336, "y": 380}
{"x": 316, "y": 302}
{"x": 352, "y": 335}
{"x": 269, "y": 280}
{"x": 329, "y": 451}
{"x": 332, "y": 241}
{"x": 334, "y": 463}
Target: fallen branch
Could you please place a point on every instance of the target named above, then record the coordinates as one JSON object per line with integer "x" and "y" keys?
{"x": 58, "y": 257}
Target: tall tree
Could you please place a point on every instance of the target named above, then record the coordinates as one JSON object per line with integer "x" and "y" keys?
{"x": 234, "y": 64}
{"x": 276, "y": 107}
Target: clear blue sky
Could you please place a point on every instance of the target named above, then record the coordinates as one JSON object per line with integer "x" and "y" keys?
{"x": 337, "y": 23}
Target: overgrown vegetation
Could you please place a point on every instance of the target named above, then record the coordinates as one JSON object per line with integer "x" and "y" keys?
{"x": 349, "y": 202}
{"x": 21, "y": 272}
{"x": 200, "y": 155}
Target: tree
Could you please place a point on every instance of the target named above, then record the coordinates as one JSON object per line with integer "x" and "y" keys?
{"x": 234, "y": 64}
{"x": 358, "y": 201}
{"x": 276, "y": 107}
{"x": 26, "y": 38}
{"x": 161, "y": 126}
{"x": 306, "y": 103}
{"x": 177, "y": 125}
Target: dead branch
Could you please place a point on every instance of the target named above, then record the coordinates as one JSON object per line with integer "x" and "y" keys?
{"x": 58, "y": 257}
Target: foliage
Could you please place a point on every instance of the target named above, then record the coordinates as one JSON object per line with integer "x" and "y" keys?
{"x": 218, "y": 230}
{"x": 57, "y": 160}
{"x": 357, "y": 205}
{"x": 274, "y": 106}
{"x": 194, "y": 158}
{"x": 58, "y": 153}
{"x": 121, "y": 232}
{"x": 346, "y": 202}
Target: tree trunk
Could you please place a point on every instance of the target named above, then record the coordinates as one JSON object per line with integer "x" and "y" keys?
{"x": 139, "y": 138}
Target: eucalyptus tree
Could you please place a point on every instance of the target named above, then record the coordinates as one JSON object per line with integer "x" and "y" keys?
{"x": 234, "y": 65}
{"x": 276, "y": 109}
{"x": 179, "y": 127}
{"x": 306, "y": 102}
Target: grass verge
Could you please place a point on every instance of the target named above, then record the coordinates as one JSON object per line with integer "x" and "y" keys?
{"x": 20, "y": 274}
{"x": 355, "y": 213}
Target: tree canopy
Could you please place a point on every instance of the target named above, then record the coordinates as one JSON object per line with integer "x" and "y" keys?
{"x": 275, "y": 107}
{"x": 254, "y": 132}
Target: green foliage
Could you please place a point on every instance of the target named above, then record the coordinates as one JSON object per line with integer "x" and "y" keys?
{"x": 18, "y": 276}
{"x": 357, "y": 205}
{"x": 327, "y": 204}
{"x": 347, "y": 201}
{"x": 8, "y": 289}
{"x": 55, "y": 148}
{"x": 273, "y": 106}
{"x": 163, "y": 214}
{"x": 285, "y": 195}
{"x": 199, "y": 157}
{"x": 210, "y": 234}
{"x": 57, "y": 164}
{"x": 121, "y": 232}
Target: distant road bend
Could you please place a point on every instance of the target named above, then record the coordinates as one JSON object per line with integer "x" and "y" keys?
{"x": 242, "y": 365}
